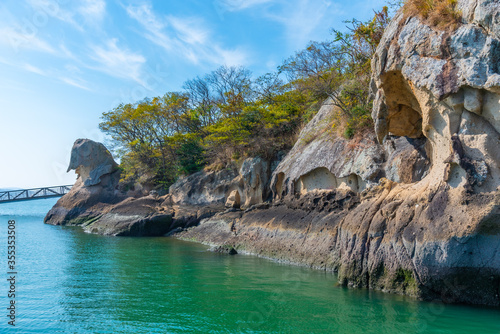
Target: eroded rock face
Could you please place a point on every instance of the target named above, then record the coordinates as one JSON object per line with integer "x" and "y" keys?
{"x": 233, "y": 200}
{"x": 320, "y": 160}
{"x": 204, "y": 188}
{"x": 91, "y": 160}
{"x": 441, "y": 87}
{"x": 407, "y": 159}
{"x": 95, "y": 202}
{"x": 255, "y": 174}
{"x": 439, "y": 84}
{"x": 250, "y": 181}
{"x": 428, "y": 222}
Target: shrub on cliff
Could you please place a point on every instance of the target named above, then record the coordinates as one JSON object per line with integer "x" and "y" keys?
{"x": 441, "y": 14}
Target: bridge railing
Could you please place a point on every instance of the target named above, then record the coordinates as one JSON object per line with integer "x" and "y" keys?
{"x": 33, "y": 193}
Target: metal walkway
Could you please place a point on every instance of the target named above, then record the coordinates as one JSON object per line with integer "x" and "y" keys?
{"x": 35, "y": 193}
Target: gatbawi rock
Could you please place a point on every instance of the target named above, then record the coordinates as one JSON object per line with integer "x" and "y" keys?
{"x": 96, "y": 203}
{"x": 413, "y": 208}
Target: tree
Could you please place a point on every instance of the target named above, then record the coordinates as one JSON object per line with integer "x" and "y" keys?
{"x": 143, "y": 131}
{"x": 320, "y": 69}
{"x": 340, "y": 69}
{"x": 268, "y": 86}
{"x": 208, "y": 95}
{"x": 225, "y": 115}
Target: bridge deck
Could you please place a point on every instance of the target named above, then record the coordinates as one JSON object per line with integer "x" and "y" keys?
{"x": 34, "y": 193}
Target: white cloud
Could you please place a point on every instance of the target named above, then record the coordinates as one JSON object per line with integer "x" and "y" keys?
{"x": 117, "y": 62}
{"x": 93, "y": 10}
{"x": 64, "y": 52}
{"x": 237, "y": 5}
{"x": 54, "y": 9}
{"x": 74, "y": 82}
{"x": 189, "y": 30}
{"x": 53, "y": 73}
{"x": 34, "y": 69}
{"x": 27, "y": 40}
{"x": 234, "y": 57}
{"x": 300, "y": 19}
{"x": 188, "y": 37}
{"x": 72, "y": 68}
{"x": 144, "y": 14}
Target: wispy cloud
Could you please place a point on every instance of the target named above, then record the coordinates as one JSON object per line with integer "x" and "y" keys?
{"x": 237, "y": 5}
{"x": 55, "y": 10}
{"x": 18, "y": 40}
{"x": 302, "y": 17}
{"x": 299, "y": 18}
{"x": 144, "y": 15}
{"x": 118, "y": 62}
{"x": 187, "y": 37}
{"x": 34, "y": 69}
{"x": 55, "y": 74}
{"x": 72, "y": 68}
{"x": 93, "y": 11}
{"x": 75, "y": 82}
{"x": 189, "y": 30}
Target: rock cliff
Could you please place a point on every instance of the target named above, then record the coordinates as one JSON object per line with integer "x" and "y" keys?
{"x": 250, "y": 182}
{"x": 322, "y": 160}
{"x": 415, "y": 208}
{"x": 95, "y": 202}
{"x": 412, "y": 207}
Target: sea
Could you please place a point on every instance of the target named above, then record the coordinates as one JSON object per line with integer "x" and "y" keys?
{"x": 63, "y": 280}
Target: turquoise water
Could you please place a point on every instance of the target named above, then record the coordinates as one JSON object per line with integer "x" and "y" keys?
{"x": 72, "y": 282}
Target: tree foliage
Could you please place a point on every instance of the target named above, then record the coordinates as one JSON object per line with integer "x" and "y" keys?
{"x": 226, "y": 115}
{"x": 340, "y": 69}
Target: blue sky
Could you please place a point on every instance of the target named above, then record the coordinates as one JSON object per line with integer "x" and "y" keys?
{"x": 64, "y": 62}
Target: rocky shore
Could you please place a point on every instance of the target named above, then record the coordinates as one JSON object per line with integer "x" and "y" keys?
{"x": 412, "y": 207}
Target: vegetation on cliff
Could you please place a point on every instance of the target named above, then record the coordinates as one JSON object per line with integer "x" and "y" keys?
{"x": 441, "y": 14}
{"x": 227, "y": 115}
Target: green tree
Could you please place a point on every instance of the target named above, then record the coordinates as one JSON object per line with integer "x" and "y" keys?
{"x": 142, "y": 132}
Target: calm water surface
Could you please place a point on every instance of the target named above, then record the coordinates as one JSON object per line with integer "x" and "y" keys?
{"x": 73, "y": 282}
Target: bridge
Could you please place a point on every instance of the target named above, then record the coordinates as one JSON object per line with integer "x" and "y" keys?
{"x": 34, "y": 193}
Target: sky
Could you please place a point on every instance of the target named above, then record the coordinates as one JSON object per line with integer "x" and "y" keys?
{"x": 65, "y": 62}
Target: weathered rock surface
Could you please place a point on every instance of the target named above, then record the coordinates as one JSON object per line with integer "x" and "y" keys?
{"x": 233, "y": 200}
{"x": 90, "y": 194}
{"x": 132, "y": 217}
{"x": 413, "y": 208}
{"x": 204, "y": 188}
{"x": 95, "y": 203}
{"x": 321, "y": 160}
{"x": 91, "y": 160}
{"x": 250, "y": 182}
